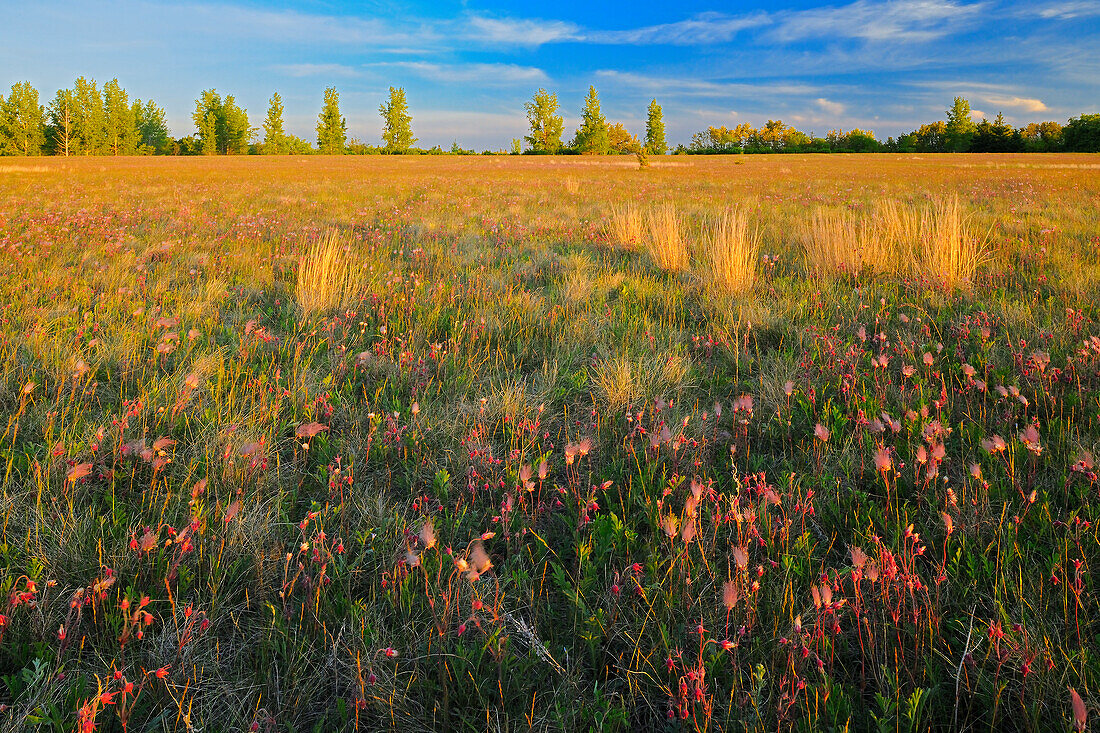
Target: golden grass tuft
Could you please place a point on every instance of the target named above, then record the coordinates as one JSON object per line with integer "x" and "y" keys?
{"x": 730, "y": 253}
{"x": 665, "y": 239}
{"x": 626, "y": 226}
{"x": 621, "y": 381}
{"x": 950, "y": 250}
{"x": 934, "y": 240}
{"x": 839, "y": 242}
{"x": 327, "y": 276}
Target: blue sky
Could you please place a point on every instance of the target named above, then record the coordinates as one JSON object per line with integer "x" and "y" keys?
{"x": 469, "y": 66}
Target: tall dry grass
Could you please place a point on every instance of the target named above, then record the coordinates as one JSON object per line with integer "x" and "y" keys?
{"x": 934, "y": 240}
{"x": 327, "y": 276}
{"x": 840, "y": 242}
{"x": 626, "y": 226}
{"x": 665, "y": 240}
{"x": 730, "y": 252}
{"x": 951, "y": 250}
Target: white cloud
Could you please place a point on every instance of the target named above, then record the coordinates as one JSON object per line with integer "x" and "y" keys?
{"x": 977, "y": 115}
{"x": 1066, "y": 10}
{"x": 892, "y": 20}
{"x": 693, "y": 87}
{"x": 520, "y": 31}
{"x": 834, "y": 108}
{"x": 1028, "y": 105}
{"x": 304, "y": 70}
{"x": 702, "y": 29}
{"x": 492, "y": 74}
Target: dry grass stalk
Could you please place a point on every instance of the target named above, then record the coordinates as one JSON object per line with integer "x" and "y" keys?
{"x": 626, "y": 226}
{"x": 840, "y": 242}
{"x": 950, "y": 250}
{"x": 731, "y": 252}
{"x": 665, "y": 241}
{"x": 327, "y": 277}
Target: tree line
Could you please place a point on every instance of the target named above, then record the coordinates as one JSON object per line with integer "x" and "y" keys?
{"x": 959, "y": 133}
{"x": 90, "y": 120}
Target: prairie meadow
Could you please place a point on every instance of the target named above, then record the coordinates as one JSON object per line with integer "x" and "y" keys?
{"x": 773, "y": 442}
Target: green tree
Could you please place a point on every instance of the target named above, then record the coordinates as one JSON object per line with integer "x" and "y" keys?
{"x": 332, "y": 129}
{"x": 275, "y": 141}
{"x": 1082, "y": 134}
{"x": 238, "y": 133}
{"x": 397, "y": 123}
{"x": 655, "y": 143}
{"x": 208, "y": 117}
{"x": 546, "y": 126}
{"x": 620, "y": 141}
{"x": 89, "y": 123}
{"x": 960, "y": 127}
{"x": 1042, "y": 137}
{"x": 152, "y": 127}
{"x": 22, "y": 121}
{"x": 119, "y": 124}
{"x": 61, "y": 127}
{"x": 591, "y": 137}
{"x": 222, "y": 125}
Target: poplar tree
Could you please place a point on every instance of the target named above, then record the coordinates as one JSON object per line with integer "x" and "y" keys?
{"x": 22, "y": 122}
{"x": 61, "y": 114}
{"x": 397, "y": 123}
{"x": 119, "y": 124}
{"x": 546, "y": 125}
{"x": 332, "y": 129}
{"x": 591, "y": 137}
{"x": 152, "y": 126}
{"x": 275, "y": 142}
{"x": 89, "y": 124}
{"x": 960, "y": 126}
{"x": 655, "y": 143}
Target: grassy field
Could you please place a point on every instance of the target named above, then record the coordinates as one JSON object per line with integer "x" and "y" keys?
{"x": 740, "y": 443}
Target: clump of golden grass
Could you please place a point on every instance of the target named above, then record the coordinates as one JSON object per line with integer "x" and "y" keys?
{"x": 621, "y": 381}
{"x": 836, "y": 241}
{"x": 730, "y": 252}
{"x": 934, "y": 240}
{"x": 665, "y": 241}
{"x": 327, "y": 276}
{"x": 626, "y": 226}
{"x": 950, "y": 251}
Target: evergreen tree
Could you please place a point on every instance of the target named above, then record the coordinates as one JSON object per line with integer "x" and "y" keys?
{"x": 275, "y": 142}
{"x": 960, "y": 127}
{"x": 62, "y": 122}
{"x": 90, "y": 126}
{"x": 22, "y": 121}
{"x": 591, "y": 137}
{"x": 655, "y": 143}
{"x": 546, "y": 126}
{"x": 119, "y": 123}
{"x": 332, "y": 129}
{"x": 397, "y": 123}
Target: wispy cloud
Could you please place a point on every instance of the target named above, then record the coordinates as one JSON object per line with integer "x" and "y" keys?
{"x": 482, "y": 74}
{"x": 892, "y": 20}
{"x": 702, "y": 29}
{"x": 520, "y": 31}
{"x": 1028, "y": 105}
{"x": 834, "y": 108}
{"x": 305, "y": 70}
{"x": 693, "y": 87}
{"x": 1065, "y": 10}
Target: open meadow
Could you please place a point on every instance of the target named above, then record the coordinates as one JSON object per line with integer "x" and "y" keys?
{"x": 752, "y": 443}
